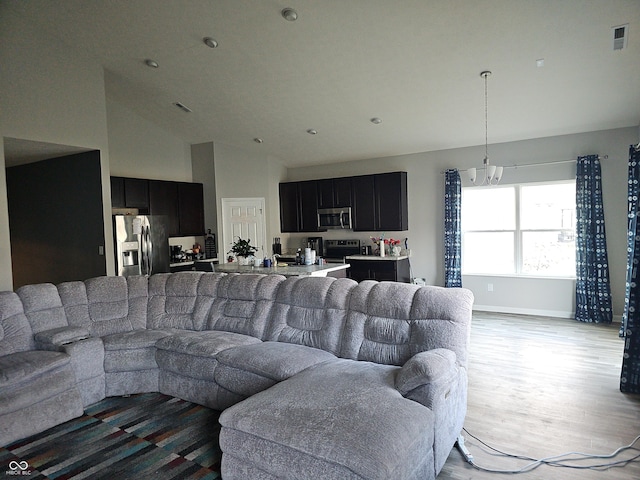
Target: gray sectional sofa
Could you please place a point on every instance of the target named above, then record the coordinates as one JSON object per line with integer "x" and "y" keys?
{"x": 317, "y": 377}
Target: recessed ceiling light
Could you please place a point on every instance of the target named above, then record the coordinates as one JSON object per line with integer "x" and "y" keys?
{"x": 210, "y": 42}
{"x": 289, "y": 14}
{"x": 312, "y": 131}
{"x": 151, "y": 63}
{"x": 540, "y": 62}
{"x": 258, "y": 140}
{"x": 376, "y": 121}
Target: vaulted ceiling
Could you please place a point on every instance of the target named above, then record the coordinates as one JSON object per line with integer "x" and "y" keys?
{"x": 415, "y": 64}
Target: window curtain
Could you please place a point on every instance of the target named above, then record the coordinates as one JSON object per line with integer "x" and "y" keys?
{"x": 593, "y": 292}
{"x": 452, "y": 232}
{"x": 630, "y": 377}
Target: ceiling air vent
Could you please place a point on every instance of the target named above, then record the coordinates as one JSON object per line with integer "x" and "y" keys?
{"x": 620, "y": 34}
{"x": 183, "y": 107}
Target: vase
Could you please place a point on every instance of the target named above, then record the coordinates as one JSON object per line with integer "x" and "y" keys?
{"x": 243, "y": 261}
{"x": 395, "y": 251}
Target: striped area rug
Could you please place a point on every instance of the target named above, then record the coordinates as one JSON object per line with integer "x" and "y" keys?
{"x": 145, "y": 436}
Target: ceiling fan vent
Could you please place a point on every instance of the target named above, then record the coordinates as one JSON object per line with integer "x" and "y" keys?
{"x": 183, "y": 107}
{"x": 620, "y": 34}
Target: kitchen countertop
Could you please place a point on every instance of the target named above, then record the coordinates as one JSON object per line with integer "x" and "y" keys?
{"x": 376, "y": 257}
{"x": 288, "y": 271}
{"x": 191, "y": 262}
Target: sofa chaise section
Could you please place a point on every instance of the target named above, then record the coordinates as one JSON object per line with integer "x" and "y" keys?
{"x": 391, "y": 408}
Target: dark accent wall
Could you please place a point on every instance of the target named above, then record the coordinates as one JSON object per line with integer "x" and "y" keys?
{"x": 56, "y": 219}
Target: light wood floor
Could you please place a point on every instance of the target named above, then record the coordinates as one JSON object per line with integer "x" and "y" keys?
{"x": 545, "y": 386}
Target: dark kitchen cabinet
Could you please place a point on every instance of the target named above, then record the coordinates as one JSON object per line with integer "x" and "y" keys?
{"x": 289, "y": 210}
{"x": 391, "y": 201}
{"x": 163, "y": 200}
{"x": 380, "y": 270}
{"x": 130, "y": 193}
{"x": 191, "y": 209}
{"x": 380, "y": 202}
{"x": 299, "y": 206}
{"x": 364, "y": 201}
{"x": 334, "y": 192}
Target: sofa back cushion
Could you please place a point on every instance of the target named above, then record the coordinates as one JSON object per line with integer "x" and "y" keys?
{"x": 42, "y": 306}
{"x": 389, "y": 322}
{"x": 311, "y": 311}
{"x": 106, "y": 305}
{"x": 243, "y": 303}
{"x": 182, "y": 299}
{"x": 15, "y": 332}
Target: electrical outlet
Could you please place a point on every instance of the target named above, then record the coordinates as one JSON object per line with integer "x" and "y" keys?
{"x": 489, "y": 287}
{"x": 100, "y": 249}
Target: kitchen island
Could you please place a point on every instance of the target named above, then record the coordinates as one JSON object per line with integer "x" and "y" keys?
{"x": 331, "y": 269}
{"x": 373, "y": 267}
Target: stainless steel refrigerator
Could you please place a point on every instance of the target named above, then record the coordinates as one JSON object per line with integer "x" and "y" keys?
{"x": 141, "y": 244}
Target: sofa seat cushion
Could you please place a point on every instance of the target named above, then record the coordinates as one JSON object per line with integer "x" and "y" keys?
{"x": 25, "y": 366}
{"x": 194, "y": 354}
{"x": 29, "y": 377}
{"x": 131, "y": 351}
{"x": 249, "y": 369}
{"x": 337, "y": 420}
{"x": 133, "y": 339}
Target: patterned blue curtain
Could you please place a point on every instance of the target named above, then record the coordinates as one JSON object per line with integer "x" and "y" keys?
{"x": 630, "y": 377}
{"x": 452, "y": 233}
{"x": 593, "y": 292}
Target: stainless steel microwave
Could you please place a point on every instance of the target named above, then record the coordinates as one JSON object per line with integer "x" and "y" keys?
{"x": 339, "y": 218}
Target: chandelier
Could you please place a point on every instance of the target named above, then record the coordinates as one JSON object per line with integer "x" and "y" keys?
{"x": 492, "y": 174}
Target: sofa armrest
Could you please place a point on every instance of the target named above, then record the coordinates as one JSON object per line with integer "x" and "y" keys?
{"x": 426, "y": 368}
{"x": 57, "y": 337}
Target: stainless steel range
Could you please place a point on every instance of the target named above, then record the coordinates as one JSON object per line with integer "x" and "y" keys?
{"x": 336, "y": 250}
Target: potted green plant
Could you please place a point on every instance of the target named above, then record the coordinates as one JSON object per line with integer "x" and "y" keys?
{"x": 242, "y": 249}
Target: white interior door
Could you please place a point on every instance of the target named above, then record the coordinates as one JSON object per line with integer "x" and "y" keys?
{"x": 244, "y": 218}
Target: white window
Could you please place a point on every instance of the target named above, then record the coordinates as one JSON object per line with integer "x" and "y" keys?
{"x": 519, "y": 230}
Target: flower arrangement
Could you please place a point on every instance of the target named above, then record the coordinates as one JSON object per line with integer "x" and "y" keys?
{"x": 242, "y": 248}
{"x": 386, "y": 243}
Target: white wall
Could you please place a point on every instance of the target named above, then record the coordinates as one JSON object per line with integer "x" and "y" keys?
{"x": 141, "y": 149}
{"x": 48, "y": 97}
{"x": 204, "y": 172}
{"x": 243, "y": 173}
{"x": 426, "y": 187}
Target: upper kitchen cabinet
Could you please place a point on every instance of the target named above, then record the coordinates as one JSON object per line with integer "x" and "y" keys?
{"x": 334, "y": 192}
{"x": 191, "y": 208}
{"x": 380, "y": 202}
{"x": 299, "y": 206}
{"x": 364, "y": 201}
{"x": 391, "y": 201}
{"x": 130, "y": 193}
{"x": 163, "y": 200}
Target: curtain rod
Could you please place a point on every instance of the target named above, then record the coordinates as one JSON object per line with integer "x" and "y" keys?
{"x": 525, "y": 165}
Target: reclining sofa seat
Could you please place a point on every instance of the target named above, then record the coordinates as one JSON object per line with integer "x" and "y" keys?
{"x": 37, "y": 387}
{"x": 397, "y": 402}
{"x": 240, "y": 306}
{"x": 304, "y": 328}
{"x": 49, "y": 323}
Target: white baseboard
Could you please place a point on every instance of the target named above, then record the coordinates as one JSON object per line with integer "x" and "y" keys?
{"x": 524, "y": 311}
{"x": 529, "y": 311}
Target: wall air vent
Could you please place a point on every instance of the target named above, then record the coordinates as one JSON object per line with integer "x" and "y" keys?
{"x": 183, "y": 107}
{"x": 620, "y": 35}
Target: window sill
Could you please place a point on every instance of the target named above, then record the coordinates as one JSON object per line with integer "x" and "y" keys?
{"x": 513, "y": 275}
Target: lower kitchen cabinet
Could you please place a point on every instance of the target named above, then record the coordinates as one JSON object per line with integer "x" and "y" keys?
{"x": 389, "y": 269}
